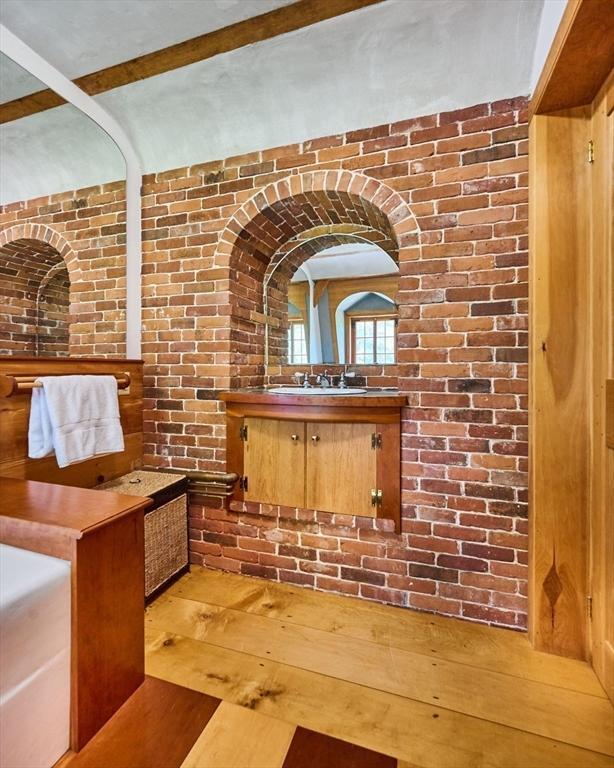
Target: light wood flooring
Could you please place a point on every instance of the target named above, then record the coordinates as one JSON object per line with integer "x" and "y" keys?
{"x": 430, "y": 691}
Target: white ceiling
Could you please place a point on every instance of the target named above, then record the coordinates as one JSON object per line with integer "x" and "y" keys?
{"x": 351, "y": 260}
{"x": 15, "y": 81}
{"x": 387, "y": 62}
{"x": 83, "y": 36}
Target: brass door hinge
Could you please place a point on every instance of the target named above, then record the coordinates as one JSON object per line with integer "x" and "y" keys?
{"x": 377, "y": 497}
{"x": 243, "y": 483}
{"x": 376, "y": 440}
{"x": 243, "y": 433}
{"x": 591, "y": 151}
{"x": 589, "y": 606}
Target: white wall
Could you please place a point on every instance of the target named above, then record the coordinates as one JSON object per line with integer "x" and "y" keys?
{"x": 387, "y": 62}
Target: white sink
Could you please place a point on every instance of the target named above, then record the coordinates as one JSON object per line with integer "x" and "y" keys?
{"x": 316, "y": 391}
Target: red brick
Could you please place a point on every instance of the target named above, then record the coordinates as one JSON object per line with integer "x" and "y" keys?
{"x": 462, "y": 349}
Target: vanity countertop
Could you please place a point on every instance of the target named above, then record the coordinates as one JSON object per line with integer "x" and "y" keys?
{"x": 370, "y": 398}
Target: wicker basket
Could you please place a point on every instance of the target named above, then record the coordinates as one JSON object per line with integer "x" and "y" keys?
{"x": 166, "y": 543}
{"x": 166, "y": 522}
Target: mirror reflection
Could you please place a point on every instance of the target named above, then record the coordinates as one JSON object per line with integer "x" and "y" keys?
{"x": 340, "y": 308}
{"x": 44, "y": 156}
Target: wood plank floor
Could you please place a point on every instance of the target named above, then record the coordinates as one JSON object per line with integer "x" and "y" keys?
{"x": 426, "y": 690}
{"x": 163, "y": 725}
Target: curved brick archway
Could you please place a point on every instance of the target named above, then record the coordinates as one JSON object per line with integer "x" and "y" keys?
{"x": 45, "y": 234}
{"x": 280, "y": 213}
{"x": 284, "y": 209}
{"x": 35, "y": 288}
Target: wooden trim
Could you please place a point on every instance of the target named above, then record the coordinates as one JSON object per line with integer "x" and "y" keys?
{"x": 316, "y": 413}
{"x": 234, "y": 449}
{"x": 601, "y": 391}
{"x": 580, "y": 58}
{"x": 373, "y": 398}
{"x": 389, "y": 472}
{"x": 559, "y": 417}
{"x": 256, "y": 29}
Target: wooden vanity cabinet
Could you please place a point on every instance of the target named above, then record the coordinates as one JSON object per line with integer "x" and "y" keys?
{"x": 274, "y": 461}
{"x": 333, "y": 454}
{"x": 341, "y": 471}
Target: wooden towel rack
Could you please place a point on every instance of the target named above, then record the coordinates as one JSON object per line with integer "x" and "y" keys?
{"x": 20, "y": 384}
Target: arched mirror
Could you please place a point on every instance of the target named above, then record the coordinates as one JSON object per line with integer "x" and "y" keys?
{"x": 52, "y": 242}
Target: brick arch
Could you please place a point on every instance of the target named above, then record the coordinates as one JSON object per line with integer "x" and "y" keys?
{"x": 285, "y": 208}
{"x": 35, "y": 283}
{"x": 45, "y": 234}
{"x": 279, "y": 213}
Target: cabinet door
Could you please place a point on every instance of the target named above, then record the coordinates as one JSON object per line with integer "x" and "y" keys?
{"x": 274, "y": 462}
{"x": 341, "y": 468}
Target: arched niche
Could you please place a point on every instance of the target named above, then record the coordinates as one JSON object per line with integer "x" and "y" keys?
{"x": 34, "y": 298}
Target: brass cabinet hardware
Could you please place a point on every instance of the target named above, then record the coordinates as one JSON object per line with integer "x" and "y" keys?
{"x": 243, "y": 483}
{"x": 376, "y": 440}
{"x": 243, "y": 433}
{"x": 376, "y": 497}
{"x": 315, "y": 438}
{"x": 295, "y": 438}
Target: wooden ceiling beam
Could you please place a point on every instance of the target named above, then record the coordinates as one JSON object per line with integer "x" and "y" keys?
{"x": 256, "y": 29}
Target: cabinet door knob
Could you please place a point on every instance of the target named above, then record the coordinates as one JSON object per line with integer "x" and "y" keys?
{"x": 295, "y": 438}
{"x": 315, "y": 438}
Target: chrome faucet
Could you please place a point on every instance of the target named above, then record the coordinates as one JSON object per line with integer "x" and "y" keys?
{"x": 305, "y": 376}
{"x": 324, "y": 380}
{"x": 343, "y": 377}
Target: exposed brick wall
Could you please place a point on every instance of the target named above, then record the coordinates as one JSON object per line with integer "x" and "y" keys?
{"x": 87, "y": 228}
{"x": 459, "y": 182}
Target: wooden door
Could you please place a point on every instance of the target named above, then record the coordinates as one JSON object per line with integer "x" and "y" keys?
{"x": 341, "y": 468}
{"x": 274, "y": 462}
{"x": 601, "y": 389}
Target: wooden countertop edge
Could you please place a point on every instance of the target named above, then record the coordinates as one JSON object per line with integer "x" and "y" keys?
{"x": 132, "y": 503}
{"x": 380, "y": 399}
{"x": 72, "y": 533}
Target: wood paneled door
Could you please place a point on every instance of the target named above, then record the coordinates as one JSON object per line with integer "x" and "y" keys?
{"x": 341, "y": 468}
{"x": 571, "y": 152}
{"x": 601, "y": 520}
{"x": 275, "y": 461}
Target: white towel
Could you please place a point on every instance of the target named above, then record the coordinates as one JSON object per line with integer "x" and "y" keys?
{"x": 75, "y": 416}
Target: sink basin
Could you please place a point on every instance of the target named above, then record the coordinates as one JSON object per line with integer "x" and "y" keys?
{"x": 316, "y": 391}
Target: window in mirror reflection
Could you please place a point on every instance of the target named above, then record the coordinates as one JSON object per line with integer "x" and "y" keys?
{"x": 341, "y": 307}
{"x": 373, "y": 340}
{"x": 297, "y": 343}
